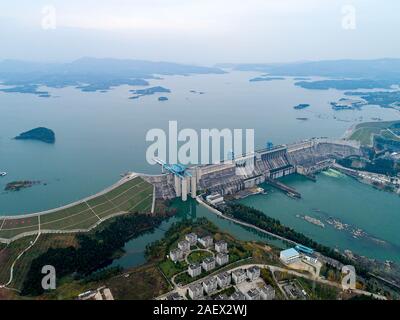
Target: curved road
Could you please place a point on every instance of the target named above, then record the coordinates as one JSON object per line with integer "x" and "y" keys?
{"x": 182, "y": 290}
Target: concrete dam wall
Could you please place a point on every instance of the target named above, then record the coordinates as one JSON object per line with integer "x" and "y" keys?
{"x": 306, "y": 157}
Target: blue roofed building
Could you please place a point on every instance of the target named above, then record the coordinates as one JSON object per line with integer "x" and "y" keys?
{"x": 304, "y": 249}
{"x": 289, "y": 256}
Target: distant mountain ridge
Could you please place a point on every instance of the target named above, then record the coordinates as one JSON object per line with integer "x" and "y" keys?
{"x": 105, "y": 65}
{"x": 385, "y": 68}
{"x": 91, "y": 74}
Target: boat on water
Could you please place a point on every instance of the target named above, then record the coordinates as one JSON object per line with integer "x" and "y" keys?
{"x": 2, "y": 174}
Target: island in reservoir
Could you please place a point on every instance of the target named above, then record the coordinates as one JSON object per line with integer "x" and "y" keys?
{"x": 18, "y": 185}
{"x": 26, "y": 88}
{"x": 148, "y": 91}
{"x": 266, "y": 78}
{"x": 347, "y": 104}
{"x": 301, "y": 106}
{"x": 39, "y": 134}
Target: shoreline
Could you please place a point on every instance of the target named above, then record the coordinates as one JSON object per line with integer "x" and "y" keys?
{"x": 127, "y": 195}
{"x": 49, "y": 211}
{"x": 245, "y": 224}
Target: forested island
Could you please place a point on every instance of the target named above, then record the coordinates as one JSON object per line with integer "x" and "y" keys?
{"x": 301, "y": 106}
{"x": 264, "y": 78}
{"x": 148, "y": 91}
{"x": 18, "y": 185}
{"x": 39, "y": 134}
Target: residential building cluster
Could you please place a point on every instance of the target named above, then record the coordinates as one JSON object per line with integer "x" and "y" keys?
{"x": 253, "y": 287}
{"x": 210, "y": 285}
{"x": 226, "y": 279}
{"x": 207, "y": 242}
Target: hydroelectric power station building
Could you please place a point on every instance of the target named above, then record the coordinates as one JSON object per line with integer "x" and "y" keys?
{"x": 266, "y": 165}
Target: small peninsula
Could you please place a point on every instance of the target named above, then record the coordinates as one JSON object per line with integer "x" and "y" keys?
{"x": 384, "y": 99}
{"x": 345, "y": 84}
{"x": 27, "y": 89}
{"x": 39, "y": 134}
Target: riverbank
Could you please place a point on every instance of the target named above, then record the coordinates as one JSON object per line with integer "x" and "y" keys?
{"x": 334, "y": 196}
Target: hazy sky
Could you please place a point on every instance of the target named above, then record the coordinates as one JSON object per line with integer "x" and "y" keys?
{"x": 200, "y": 31}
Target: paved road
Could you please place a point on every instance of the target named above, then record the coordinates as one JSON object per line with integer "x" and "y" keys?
{"x": 182, "y": 290}
{"x": 18, "y": 257}
{"x": 320, "y": 280}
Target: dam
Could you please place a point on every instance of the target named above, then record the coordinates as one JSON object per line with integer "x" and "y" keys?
{"x": 247, "y": 171}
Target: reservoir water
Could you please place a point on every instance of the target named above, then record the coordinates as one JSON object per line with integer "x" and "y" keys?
{"x": 343, "y": 199}
{"x": 333, "y": 195}
{"x": 101, "y": 135}
{"x": 135, "y": 249}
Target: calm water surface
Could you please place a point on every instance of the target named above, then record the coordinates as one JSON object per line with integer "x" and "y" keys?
{"x": 101, "y": 135}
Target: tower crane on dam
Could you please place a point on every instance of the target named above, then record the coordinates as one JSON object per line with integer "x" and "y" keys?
{"x": 184, "y": 181}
